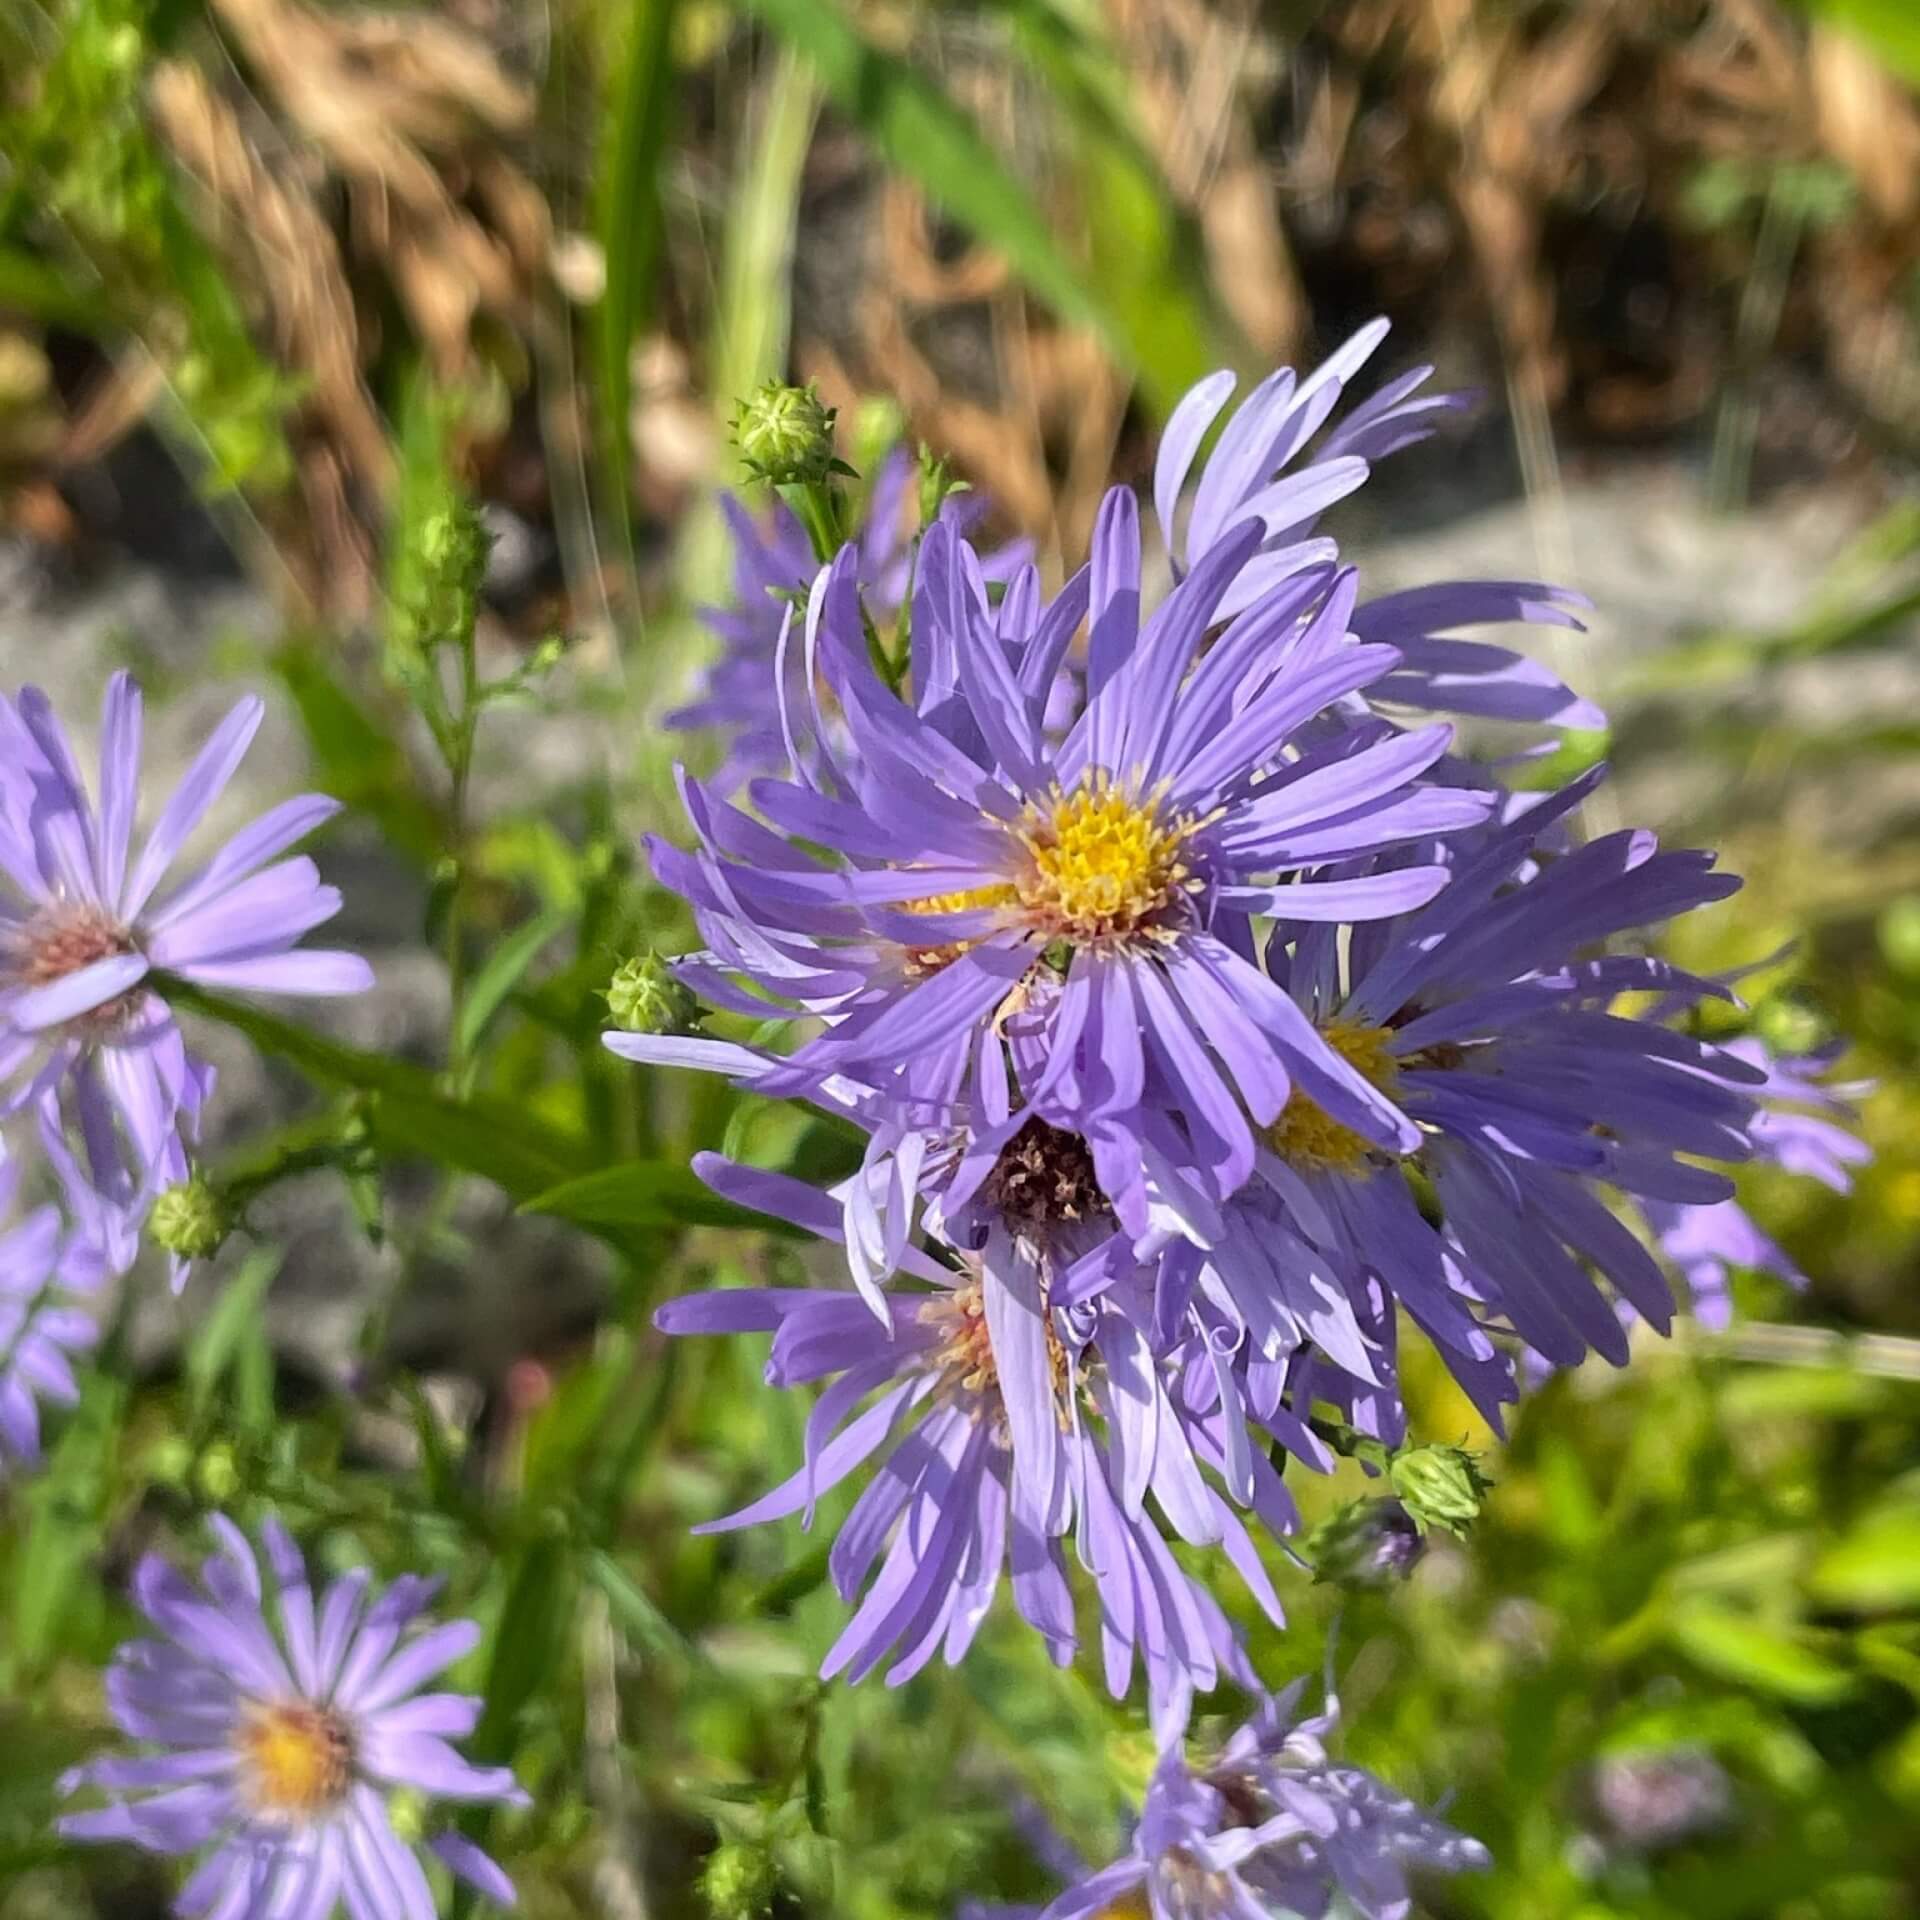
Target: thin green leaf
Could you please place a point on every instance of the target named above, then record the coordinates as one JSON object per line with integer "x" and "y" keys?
{"x": 919, "y": 130}
{"x": 357, "y": 762}
{"x": 635, "y": 1614}
{"x": 497, "y": 1139}
{"x": 629, "y": 225}
{"x": 649, "y": 1194}
{"x": 487, "y": 991}
{"x": 1752, "y": 1653}
{"x": 1145, "y": 251}
{"x": 526, "y": 1651}
{"x": 236, "y": 1318}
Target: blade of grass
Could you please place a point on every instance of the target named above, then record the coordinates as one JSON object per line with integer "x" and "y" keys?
{"x": 915, "y": 127}
{"x": 630, "y": 226}
{"x": 754, "y": 313}
{"x": 1145, "y": 251}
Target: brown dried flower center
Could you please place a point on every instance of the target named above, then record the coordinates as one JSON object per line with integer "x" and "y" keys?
{"x": 1044, "y": 1179}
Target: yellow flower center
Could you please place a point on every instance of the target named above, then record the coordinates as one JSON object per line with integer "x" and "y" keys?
{"x": 1306, "y": 1135}
{"x": 1103, "y": 864}
{"x": 998, "y": 895}
{"x": 299, "y": 1759}
{"x": 930, "y": 959}
{"x": 1130, "y": 1906}
{"x": 964, "y": 1358}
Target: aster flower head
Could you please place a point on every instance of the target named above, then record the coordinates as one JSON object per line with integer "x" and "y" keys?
{"x": 1010, "y": 1414}
{"x": 1088, "y": 901}
{"x": 48, "y": 1274}
{"x": 1272, "y": 1825}
{"x": 87, "y": 923}
{"x": 1488, "y": 1016}
{"x": 282, "y": 1722}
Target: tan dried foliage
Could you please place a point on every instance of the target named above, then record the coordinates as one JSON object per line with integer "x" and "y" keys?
{"x": 266, "y": 217}
{"x": 417, "y": 117}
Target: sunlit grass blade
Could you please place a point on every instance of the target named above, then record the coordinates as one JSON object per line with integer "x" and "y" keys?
{"x": 629, "y": 224}
{"x": 919, "y": 130}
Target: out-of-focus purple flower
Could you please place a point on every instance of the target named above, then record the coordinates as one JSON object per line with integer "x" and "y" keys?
{"x": 1485, "y": 1015}
{"x": 1706, "y": 1242}
{"x": 85, "y": 927}
{"x": 1271, "y": 1825}
{"x": 1007, "y": 1421}
{"x": 773, "y": 569}
{"x": 1648, "y": 1802}
{"x": 47, "y": 1274}
{"x": 284, "y": 1721}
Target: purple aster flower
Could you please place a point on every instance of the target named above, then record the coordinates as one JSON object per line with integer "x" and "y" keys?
{"x": 1091, "y": 899}
{"x": 773, "y": 569}
{"x": 1271, "y": 1825}
{"x": 284, "y": 1721}
{"x": 1486, "y": 1016}
{"x": 1706, "y": 1242}
{"x": 47, "y": 1274}
{"x": 1009, "y": 1411}
{"x": 86, "y": 928}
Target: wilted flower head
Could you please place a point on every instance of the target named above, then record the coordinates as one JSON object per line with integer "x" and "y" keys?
{"x": 47, "y": 1274}
{"x": 284, "y": 1723}
{"x": 1011, "y": 1417}
{"x": 85, "y": 929}
{"x": 1271, "y": 1825}
{"x": 1367, "y": 1545}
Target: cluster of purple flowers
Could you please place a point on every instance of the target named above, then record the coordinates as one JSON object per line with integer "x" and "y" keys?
{"x": 1201, "y": 1023}
{"x": 92, "y": 1059}
{"x": 1269, "y": 1824}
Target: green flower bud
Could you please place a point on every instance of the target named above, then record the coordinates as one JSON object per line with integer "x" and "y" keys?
{"x": 1440, "y": 1485}
{"x": 219, "y": 1475}
{"x": 407, "y": 1812}
{"x": 937, "y": 484}
{"x": 192, "y": 1220}
{"x": 785, "y": 435}
{"x": 738, "y": 1881}
{"x": 644, "y": 997}
{"x": 437, "y": 576}
{"x": 1367, "y": 1546}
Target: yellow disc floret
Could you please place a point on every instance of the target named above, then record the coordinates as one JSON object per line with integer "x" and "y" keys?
{"x": 1306, "y": 1135}
{"x": 298, "y": 1758}
{"x": 1103, "y": 863}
